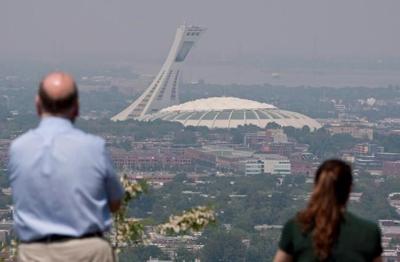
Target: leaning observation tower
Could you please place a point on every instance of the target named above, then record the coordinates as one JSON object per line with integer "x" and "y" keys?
{"x": 164, "y": 90}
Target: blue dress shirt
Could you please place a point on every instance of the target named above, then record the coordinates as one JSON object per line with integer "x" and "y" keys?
{"x": 61, "y": 180}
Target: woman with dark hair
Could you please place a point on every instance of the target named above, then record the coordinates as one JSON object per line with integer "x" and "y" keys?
{"x": 324, "y": 230}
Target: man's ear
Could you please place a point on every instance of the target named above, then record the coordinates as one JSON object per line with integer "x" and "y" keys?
{"x": 77, "y": 107}
{"x": 74, "y": 113}
{"x": 38, "y": 105}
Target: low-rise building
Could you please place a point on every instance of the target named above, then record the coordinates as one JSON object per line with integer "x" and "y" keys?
{"x": 301, "y": 167}
{"x": 390, "y": 228}
{"x": 266, "y": 136}
{"x": 149, "y": 160}
{"x": 360, "y": 132}
{"x": 284, "y": 149}
{"x": 201, "y": 157}
{"x": 254, "y": 167}
{"x": 275, "y": 164}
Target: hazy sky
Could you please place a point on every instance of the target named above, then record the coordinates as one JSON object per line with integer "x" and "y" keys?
{"x": 143, "y": 30}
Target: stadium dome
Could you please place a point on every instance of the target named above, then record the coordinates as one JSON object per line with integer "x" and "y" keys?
{"x": 230, "y": 112}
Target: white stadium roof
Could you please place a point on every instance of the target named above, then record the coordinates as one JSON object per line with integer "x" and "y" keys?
{"x": 230, "y": 112}
{"x": 218, "y": 104}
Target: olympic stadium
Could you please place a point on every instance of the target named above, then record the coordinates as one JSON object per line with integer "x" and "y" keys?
{"x": 231, "y": 112}
{"x": 160, "y": 101}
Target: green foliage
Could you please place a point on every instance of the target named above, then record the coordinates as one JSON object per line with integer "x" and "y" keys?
{"x": 262, "y": 197}
{"x": 374, "y": 204}
{"x": 391, "y": 143}
{"x": 239, "y": 132}
{"x": 190, "y": 221}
{"x": 185, "y": 137}
{"x": 141, "y": 253}
{"x": 273, "y": 125}
{"x": 124, "y": 144}
{"x": 140, "y": 130}
{"x": 128, "y": 231}
{"x": 184, "y": 255}
{"x": 4, "y": 182}
{"x": 5, "y": 200}
{"x": 265, "y": 203}
{"x": 322, "y": 144}
{"x": 263, "y": 247}
{"x": 223, "y": 246}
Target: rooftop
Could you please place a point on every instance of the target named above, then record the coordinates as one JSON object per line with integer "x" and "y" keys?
{"x": 218, "y": 104}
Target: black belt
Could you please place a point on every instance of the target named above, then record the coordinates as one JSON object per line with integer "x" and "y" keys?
{"x": 61, "y": 238}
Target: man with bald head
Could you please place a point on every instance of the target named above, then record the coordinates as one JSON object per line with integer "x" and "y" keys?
{"x": 63, "y": 184}
{"x": 58, "y": 96}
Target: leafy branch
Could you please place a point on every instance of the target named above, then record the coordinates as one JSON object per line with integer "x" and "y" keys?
{"x": 130, "y": 231}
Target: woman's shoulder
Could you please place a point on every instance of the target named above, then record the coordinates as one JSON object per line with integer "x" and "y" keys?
{"x": 291, "y": 223}
{"x": 363, "y": 234}
{"x": 292, "y": 237}
{"x": 353, "y": 218}
{"x": 356, "y": 221}
{"x": 293, "y": 226}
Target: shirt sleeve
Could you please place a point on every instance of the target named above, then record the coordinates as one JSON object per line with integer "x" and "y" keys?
{"x": 377, "y": 243}
{"x": 114, "y": 189}
{"x": 286, "y": 241}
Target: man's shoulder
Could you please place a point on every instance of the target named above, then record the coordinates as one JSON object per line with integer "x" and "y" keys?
{"x": 78, "y": 135}
{"x": 22, "y": 140}
{"x": 87, "y": 138}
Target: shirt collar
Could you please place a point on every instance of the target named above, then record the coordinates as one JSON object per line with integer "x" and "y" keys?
{"x": 55, "y": 122}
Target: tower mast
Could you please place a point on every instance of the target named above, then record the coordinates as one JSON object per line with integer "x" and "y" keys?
{"x": 164, "y": 90}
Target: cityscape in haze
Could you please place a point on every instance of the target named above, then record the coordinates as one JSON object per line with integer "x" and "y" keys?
{"x": 236, "y": 112}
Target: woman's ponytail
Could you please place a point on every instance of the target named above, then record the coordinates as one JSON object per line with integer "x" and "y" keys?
{"x": 324, "y": 212}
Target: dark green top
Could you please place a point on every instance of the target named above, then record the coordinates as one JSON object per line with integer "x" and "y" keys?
{"x": 358, "y": 240}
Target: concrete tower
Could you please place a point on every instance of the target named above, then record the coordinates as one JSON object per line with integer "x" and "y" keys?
{"x": 164, "y": 90}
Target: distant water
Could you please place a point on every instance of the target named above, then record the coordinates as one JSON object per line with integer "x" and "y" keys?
{"x": 226, "y": 74}
{"x": 292, "y": 77}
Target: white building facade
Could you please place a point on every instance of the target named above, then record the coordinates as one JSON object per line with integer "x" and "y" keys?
{"x": 254, "y": 167}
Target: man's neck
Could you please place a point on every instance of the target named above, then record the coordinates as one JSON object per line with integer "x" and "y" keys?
{"x": 47, "y": 115}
